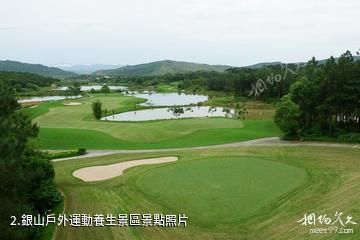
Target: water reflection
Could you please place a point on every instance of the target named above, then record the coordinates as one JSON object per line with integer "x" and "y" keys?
{"x": 175, "y": 112}
{"x": 46, "y": 99}
{"x": 168, "y": 99}
{"x": 95, "y": 87}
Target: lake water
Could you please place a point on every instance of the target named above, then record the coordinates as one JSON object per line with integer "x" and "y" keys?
{"x": 46, "y": 98}
{"x": 169, "y": 99}
{"x": 170, "y": 113}
{"x": 95, "y": 87}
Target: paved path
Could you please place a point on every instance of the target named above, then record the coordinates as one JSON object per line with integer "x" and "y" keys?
{"x": 273, "y": 141}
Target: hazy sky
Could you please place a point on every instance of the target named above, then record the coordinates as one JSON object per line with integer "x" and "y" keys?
{"x": 234, "y": 32}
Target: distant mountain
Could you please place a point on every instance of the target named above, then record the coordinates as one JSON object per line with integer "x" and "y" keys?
{"x": 87, "y": 69}
{"x": 262, "y": 65}
{"x": 161, "y": 68}
{"x": 13, "y": 66}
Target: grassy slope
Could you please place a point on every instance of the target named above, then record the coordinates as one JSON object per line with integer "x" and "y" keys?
{"x": 59, "y": 138}
{"x": 66, "y": 127}
{"x": 36, "y": 111}
{"x": 221, "y": 176}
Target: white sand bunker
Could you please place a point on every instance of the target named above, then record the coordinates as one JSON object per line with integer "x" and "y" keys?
{"x": 98, "y": 173}
{"x": 72, "y": 104}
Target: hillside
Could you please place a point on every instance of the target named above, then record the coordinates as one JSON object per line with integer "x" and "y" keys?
{"x": 161, "y": 68}
{"x": 87, "y": 69}
{"x": 266, "y": 64}
{"x": 23, "y": 81}
{"x": 13, "y": 66}
{"x": 262, "y": 65}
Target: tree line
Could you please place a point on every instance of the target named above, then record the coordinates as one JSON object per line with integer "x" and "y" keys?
{"x": 26, "y": 175}
{"x": 23, "y": 82}
{"x": 324, "y": 100}
{"x": 325, "y": 94}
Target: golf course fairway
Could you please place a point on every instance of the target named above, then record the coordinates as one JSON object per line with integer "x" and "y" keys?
{"x": 247, "y": 192}
{"x": 72, "y": 127}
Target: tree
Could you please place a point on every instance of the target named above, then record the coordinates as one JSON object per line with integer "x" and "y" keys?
{"x": 97, "y": 109}
{"x": 287, "y": 117}
{"x": 105, "y": 89}
{"x": 74, "y": 90}
{"x": 27, "y": 178}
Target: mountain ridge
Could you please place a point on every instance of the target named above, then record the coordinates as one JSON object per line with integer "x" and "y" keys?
{"x": 144, "y": 69}
{"x": 42, "y": 70}
{"x": 161, "y": 68}
{"x": 88, "y": 68}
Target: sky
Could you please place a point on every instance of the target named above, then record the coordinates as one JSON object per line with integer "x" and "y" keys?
{"x": 231, "y": 32}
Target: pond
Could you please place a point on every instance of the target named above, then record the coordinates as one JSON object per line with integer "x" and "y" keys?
{"x": 169, "y": 99}
{"x": 95, "y": 87}
{"x": 46, "y": 99}
{"x": 170, "y": 113}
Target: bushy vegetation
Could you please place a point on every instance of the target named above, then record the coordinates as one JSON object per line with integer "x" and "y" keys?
{"x": 26, "y": 177}
{"x": 74, "y": 89}
{"x": 64, "y": 154}
{"x": 23, "y": 82}
{"x": 97, "y": 109}
{"x": 286, "y": 117}
{"x": 105, "y": 89}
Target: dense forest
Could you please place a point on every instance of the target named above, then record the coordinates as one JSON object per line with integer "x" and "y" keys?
{"x": 23, "y": 82}
{"x": 325, "y": 99}
{"x": 26, "y": 175}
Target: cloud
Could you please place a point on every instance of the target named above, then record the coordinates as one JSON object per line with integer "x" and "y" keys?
{"x": 213, "y": 31}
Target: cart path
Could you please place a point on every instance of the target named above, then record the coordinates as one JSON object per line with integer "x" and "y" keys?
{"x": 272, "y": 141}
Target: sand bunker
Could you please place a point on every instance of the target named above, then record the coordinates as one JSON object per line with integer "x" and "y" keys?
{"x": 72, "y": 104}
{"x": 98, "y": 173}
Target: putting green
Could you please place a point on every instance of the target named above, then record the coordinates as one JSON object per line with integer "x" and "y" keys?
{"x": 220, "y": 190}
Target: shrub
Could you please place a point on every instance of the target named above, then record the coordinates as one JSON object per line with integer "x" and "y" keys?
{"x": 105, "y": 89}
{"x": 96, "y": 107}
{"x": 350, "y": 138}
{"x": 81, "y": 151}
{"x": 287, "y": 117}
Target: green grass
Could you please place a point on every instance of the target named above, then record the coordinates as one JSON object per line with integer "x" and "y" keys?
{"x": 222, "y": 189}
{"x": 71, "y": 127}
{"x": 234, "y": 193}
{"x": 69, "y": 138}
{"x": 37, "y": 110}
{"x": 173, "y": 87}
